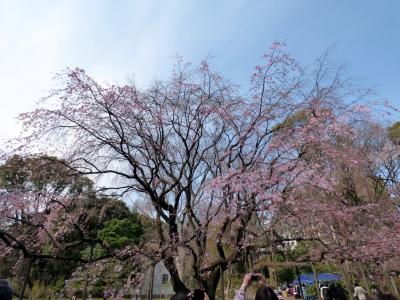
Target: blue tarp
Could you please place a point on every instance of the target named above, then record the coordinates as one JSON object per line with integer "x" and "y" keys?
{"x": 308, "y": 278}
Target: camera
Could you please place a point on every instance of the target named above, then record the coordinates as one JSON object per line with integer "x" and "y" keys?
{"x": 254, "y": 277}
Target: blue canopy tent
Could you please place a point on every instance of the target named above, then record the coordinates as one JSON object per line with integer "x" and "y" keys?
{"x": 308, "y": 278}
{"x": 329, "y": 277}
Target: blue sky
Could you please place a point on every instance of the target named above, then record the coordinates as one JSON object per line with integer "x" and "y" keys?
{"x": 113, "y": 40}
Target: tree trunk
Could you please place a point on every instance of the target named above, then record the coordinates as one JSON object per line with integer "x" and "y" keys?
{"x": 394, "y": 286}
{"x": 316, "y": 281}
{"x": 26, "y": 278}
{"x": 210, "y": 285}
{"x": 85, "y": 289}
{"x": 228, "y": 285}
{"x": 272, "y": 273}
{"x": 275, "y": 278}
{"x": 364, "y": 277}
{"x": 251, "y": 264}
{"x": 177, "y": 285}
{"x": 349, "y": 268}
{"x": 222, "y": 283}
{"x": 150, "y": 291}
{"x": 246, "y": 261}
{"x": 349, "y": 286}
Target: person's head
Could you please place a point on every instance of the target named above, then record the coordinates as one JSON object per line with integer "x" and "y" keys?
{"x": 197, "y": 295}
{"x": 390, "y": 297}
{"x": 378, "y": 294}
{"x": 6, "y": 291}
{"x": 266, "y": 293}
{"x": 178, "y": 296}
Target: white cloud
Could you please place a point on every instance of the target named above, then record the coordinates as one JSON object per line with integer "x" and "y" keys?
{"x": 39, "y": 38}
{"x": 31, "y": 50}
{"x": 110, "y": 40}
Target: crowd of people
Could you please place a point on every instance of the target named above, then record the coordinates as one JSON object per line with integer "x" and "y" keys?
{"x": 361, "y": 294}
{"x": 335, "y": 291}
{"x": 328, "y": 291}
{"x": 264, "y": 292}
{"x": 331, "y": 291}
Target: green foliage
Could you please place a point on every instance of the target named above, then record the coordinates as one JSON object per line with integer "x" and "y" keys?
{"x": 301, "y": 249}
{"x": 327, "y": 268}
{"x": 114, "y": 209}
{"x": 374, "y": 285}
{"x": 50, "y": 175}
{"x": 59, "y": 283}
{"x": 98, "y": 251}
{"x": 42, "y": 173}
{"x": 285, "y": 274}
{"x": 394, "y": 132}
{"x": 299, "y": 118}
{"x": 119, "y": 232}
{"x": 41, "y": 291}
{"x": 311, "y": 290}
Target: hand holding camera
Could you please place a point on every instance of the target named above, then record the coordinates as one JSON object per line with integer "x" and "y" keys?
{"x": 253, "y": 277}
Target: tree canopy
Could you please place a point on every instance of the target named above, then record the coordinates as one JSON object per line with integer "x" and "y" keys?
{"x": 217, "y": 170}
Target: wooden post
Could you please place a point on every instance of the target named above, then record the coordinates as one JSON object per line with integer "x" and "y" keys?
{"x": 394, "y": 286}
{"x": 316, "y": 280}
{"x": 150, "y": 292}
{"x": 26, "y": 278}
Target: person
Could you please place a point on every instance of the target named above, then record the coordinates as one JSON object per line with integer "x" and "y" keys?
{"x": 324, "y": 292}
{"x": 331, "y": 292}
{"x": 297, "y": 292}
{"x": 359, "y": 292}
{"x": 178, "y": 296}
{"x": 340, "y": 292}
{"x": 290, "y": 290}
{"x": 263, "y": 293}
{"x": 6, "y": 292}
{"x": 277, "y": 293}
{"x": 379, "y": 295}
{"x": 304, "y": 292}
{"x": 197, "y": 294}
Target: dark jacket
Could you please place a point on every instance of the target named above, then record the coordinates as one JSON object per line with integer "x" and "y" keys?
{"x": 6, "y": 291}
